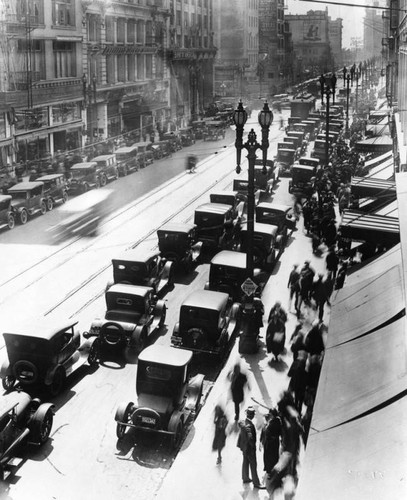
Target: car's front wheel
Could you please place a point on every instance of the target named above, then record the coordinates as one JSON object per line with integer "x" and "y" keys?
{"x": 11, "y": 221}
{"x": 103, "y": 180}
{"x": 23, "y": 216}
{"x": 65, "y": 197}
{"x": 177, "y": 437}
{"x": 123, "y": 414}
{"x": 43, "y": 208}
{"x": 42, "y": 425}
{"x": 8, "y": 382}
{"x": 94, "y": 354}
{"x": 50, "y": 204}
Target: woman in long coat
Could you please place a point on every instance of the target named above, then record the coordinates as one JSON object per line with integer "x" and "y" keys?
{"x": 270, "y": 439}
{"x": 275, "y": 336}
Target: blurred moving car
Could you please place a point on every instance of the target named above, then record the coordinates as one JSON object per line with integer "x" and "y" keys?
{"x": 42, "y": 353}
{"x": 81, "y": 216}
{"x": 167, "y": 398}
{"x": 22, "y": 420}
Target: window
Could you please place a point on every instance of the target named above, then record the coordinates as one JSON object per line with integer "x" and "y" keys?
{"x": 121, "y": 30}
{"x": 64, "y": 59}
{"x": 93, "y": 28}
{"x": 37, "y": 61}
{"x": 140, "y": 31}
{"x": 149, "y": 66}
{"x": 131, "y": 31}
{"x": 121, "y": 68}
{"x": 109, "y": 24}
{"x": 63, "y": 13}
{"x": 140, "y": 67}
{"x": 131, "y": 68}
{"x": 111, "y": 68}
{"x": 35, "y": 9}
{"x": 159, "y": 67}
{"x": 149, "y": 33}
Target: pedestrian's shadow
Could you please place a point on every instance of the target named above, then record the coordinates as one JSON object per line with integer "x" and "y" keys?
{"x": 278, "y": 365}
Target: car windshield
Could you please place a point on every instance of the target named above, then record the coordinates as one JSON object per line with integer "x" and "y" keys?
{"x": 80, "y": 172}
{"x": 19, "y": 195}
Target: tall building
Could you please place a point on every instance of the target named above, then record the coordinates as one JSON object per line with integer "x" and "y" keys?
{"x": 372, "y": 33}
{"x": 335, "y": 27}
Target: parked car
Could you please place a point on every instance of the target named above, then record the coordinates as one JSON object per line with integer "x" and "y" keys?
{"x": 133, "y": 314}
{"x": 242, "y": 187}
{"x": 23, "y": 420}
{"x": 55, "y": 189}
{"x": 301, "y": 176}
{"x": 198, "y": 128}
{"x": 231, "y": 198}
{"x": 266, "y": 242}
{"x": 126, "y": 158}
{"x": 143, "y": 267}
{"x": 167, "y": 398}
{"x": 228, "y": 271}
{"x": 265, "y": 178}
{"x": 161, "y": 149}
{"x": 187, "y": 136}
{"x": 212, "y": 220}
{"x": 174, "y": 140}
{"x": 7, "y": 213}
{"x": 144, "y": 154}
{"x": 84, "y": 176}
{"x": 179, "y": 244}
{"x": 107, "y": 166}
{"x": 28, "y": 198}
{"x": 278, "y": 215}
{"x": 213, "y": 131}
{"x": 207, "y": 323}
{"x": 42, "y": 353}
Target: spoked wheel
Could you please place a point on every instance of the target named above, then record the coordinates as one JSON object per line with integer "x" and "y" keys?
{"x": 94, "y": 354}
{"x": 65, "y": 197}
{"x": 8, "y": 382}
{"x": 123, "y": 415}
{"x": 11, "y": 222}
{"x": 43, "y": 428}
{"x": 43, "y": 208}
{"x": 23, "y": 217}
{"x": 103, "y": 180}
{"x": 50, "y": 204}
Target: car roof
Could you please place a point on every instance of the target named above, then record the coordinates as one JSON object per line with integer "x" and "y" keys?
{"x": 308, "y": 158}
{"x": 141, "y": 144}
{"x": 227, "y": 192}
{"x": 102, "y": 157}
{"x": 49, "y": 177}
{"x": 137, "y": 255}
{"x": 85, "y": 164}
{"x": 274, "y": 206}
{"x": 4, "y": 197}
{"x": 207, "y": 299}
{"x": 9, "y": 401}
{"x": 126, "y": 149}
{"x": 165, "y": 355}
{"x": 43, "y": 328}
{"x": 140, "y": 291}
{"x": 303, "y": 167}
{"x": 214, "y": 208}
{"x": 233, "y": 259}
{"x": 259, "y": 227}
{"x": 177, "y": 227}
{"x": 25, "y": 186}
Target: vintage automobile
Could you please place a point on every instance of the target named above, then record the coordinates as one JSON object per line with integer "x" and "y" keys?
{"x": 28, "y": 198}
{"x": 161, "y": 149}
{"x": 84, "y": 176}
{"x": 42, "y": 353}
{"x": 167, "y": 398}
{"x": 55, "y": 189}
{"x": 7, "y": 213}
{"x": 213, "y": 131}
{"x": 207, "y": 323}
{"x": 198, "y": 128}
{"x": 23, "y": 420}
{"x": 278, "y": 215}
{"x": 212, "y": 221}
{"x": 266, "y": 242}
{"x": 301, "y": 176}
{"x": 179, "y": 244}
{"x": 82, "y": 215}
{"x": 133, "y": 314}
{"x": 107, "y": 166}
{"x": 174, "y": 139}
{"x": 228, "y": 271}
{"x": 187, "y": 136}
{"x": 143, "y": 267}
{"x": 145, "y": 155}
{"x": 265, "y": 178}
{"x": 126, "y": 158}
{"x": 231, "y": 198}
{"x": 241, "y": 186}
{"x": 285, "y": 159}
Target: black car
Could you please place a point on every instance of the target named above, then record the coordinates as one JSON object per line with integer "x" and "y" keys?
{"x": 179, "y": 243}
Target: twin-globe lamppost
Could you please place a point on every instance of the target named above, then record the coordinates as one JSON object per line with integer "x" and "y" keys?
{"x": 248, "y": 339}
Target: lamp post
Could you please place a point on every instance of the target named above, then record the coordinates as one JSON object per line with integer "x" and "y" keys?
{"x": 347, "y": 103}
{"x": 328, "y": 93}
{"x": 248, "y": 339}
{"x": 356, "y": 90}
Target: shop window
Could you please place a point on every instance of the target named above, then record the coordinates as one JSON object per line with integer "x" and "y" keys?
{"x": 66, "y": 112}
{"x": 121, "y": 30}
{"x": 121, "y": 68}
{"x": 111, "y": 68}
{"x": 64, "y": 59}
{"x": 149, "y": 66}
{"x": 63, "y": 12}
{"x": 109, "y": 25}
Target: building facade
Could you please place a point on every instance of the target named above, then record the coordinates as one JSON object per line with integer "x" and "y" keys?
{"x": 335, "y": 27}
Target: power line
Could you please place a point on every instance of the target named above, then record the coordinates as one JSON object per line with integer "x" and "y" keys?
{"x": 354, "y": 5}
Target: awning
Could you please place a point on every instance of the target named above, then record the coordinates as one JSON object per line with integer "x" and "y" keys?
{"x": 370, "y": 227}
{"x": 378, "y": 159}
{"x": 365, "y": 306}
{"x": 384, "y": 170}
{"x": 376, "y": 130}
{"x": 375, "y": 145}
{"x": 363, "y": 460}
{"x": 363, "y": 187}
{"x": 361, "y": 375}
{"x": 390, "y": 210}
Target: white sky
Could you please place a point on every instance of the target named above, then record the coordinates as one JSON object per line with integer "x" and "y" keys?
{"x": 353, "y": 17}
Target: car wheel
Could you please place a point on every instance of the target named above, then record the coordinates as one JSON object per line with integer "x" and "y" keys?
{"x": 86, "y": 186}
{"x": 116, "y": 175}
{"x": 123, "y": 414}
{"x": 103, "y": 180}
{"x": 176, "y": 440}
{"x": 163, "y": 316}
{"x": 94, "y": 354}
{"x": 58, "y": 382}
{"x": 43, "y": 208}
{"x": 41, "y": 426}
{"x": 138, "y": 339}
{"x": 23, "y": 216}
{"x": 65, "y": 197}
{"x": 11, "y": 222}
{"x": 8, "y": 382}
{"x": 50, "y": 204}
{"x": 25, "y": 371}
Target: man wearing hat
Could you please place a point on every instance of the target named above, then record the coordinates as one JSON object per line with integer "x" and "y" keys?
{"x": 247, "y": 443}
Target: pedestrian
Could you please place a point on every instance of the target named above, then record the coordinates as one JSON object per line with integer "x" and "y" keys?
{"x": 270, "y": 440}
{"x": 275, "y": 336}
{"x": 238, "y": 382}
{"x": 340, "y": 278}
{"x": 320, "y": 295}
{"x": 297, "y": 340}
{"x": 294, "y": 286}
{"x": 278, "y": 311}
{"x": 219, "y": 439}
{"x": 314, "y": 342}
{"x": 306, "y": 279}
{"x": 330, "y": 233}
{"x": 247, "y": 444}
{"x": 298, "y": 376}
{"x": 331, "y": 262}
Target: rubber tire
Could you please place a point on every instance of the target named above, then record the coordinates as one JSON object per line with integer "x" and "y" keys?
{"x": 177, "y": 438}
{"x": 58, "y": 382}
{"x": 94, "y": 354}
{"x": 23, "y": 216}
{"x": 8, "y": 382}
{"x": 103, "y": 180}
{"x": 42, "y": 428}
{"x": 120, "y": 428}
{"x": 11, "y": 222}
{"x": 65, "y": 197}
{"x": 50, "y": 204}
{"x": 85, "y": 187}
{"x": 28, "y": 364}
{"x": 43, "y": 208}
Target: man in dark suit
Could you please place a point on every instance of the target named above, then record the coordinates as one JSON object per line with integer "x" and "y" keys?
{"x": 247, "y": 443}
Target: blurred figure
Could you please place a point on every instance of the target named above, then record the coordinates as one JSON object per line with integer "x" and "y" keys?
{"x": 320, "y": 295}
{"x": 238, "y": 382}
{"x": 278, "y": 311}
{"x": 275, "y": 336}
{"x": 191, "y": 163}
{"x": 219, "y": 439}
{"x": 294, "y": 286}
{"x": 270, "y": 440}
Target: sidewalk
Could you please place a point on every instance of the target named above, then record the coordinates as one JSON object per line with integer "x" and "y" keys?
{"x": 194, "y": 473}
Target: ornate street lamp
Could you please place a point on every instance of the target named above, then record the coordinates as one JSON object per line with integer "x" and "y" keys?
{"x": 347, "y": 103}
{"x": 328, "y": 93}
{"x": 248, "y": 339}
